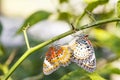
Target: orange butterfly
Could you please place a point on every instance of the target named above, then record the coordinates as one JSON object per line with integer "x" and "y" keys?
{"x": 79, "y": 50}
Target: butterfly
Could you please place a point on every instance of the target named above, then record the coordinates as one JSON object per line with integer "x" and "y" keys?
{"x": 83, "y": 53}
{"x": 79, "y": 51}
{"x": 55, "y": 57}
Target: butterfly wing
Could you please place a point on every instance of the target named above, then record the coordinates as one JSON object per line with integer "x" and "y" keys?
{"x": 50, "y": 62}
{"x": 83, "y": 53}
{"x": 55, "y": 57}
{"x": 65, "y": 57}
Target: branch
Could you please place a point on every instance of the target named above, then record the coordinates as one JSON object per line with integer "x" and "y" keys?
{"x": 25, "y": 36}
{"x": 98, "y": 23}
{"x": 11, "y": 57}
{"x": 33, "y": 49}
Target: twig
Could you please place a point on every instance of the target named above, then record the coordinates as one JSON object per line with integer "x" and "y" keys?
{"x": 25, "y": 36}
{"x": 11, "y": 57}
{"x": 91, "y": 16}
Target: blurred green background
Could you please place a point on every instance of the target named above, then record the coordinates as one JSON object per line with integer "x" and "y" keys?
{"x": 48, "y": 18}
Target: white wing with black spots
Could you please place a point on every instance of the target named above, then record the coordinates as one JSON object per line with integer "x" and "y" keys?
{"x": 83, "y": 53}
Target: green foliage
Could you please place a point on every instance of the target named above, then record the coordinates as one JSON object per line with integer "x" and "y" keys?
{"x": 118, "y": 8}
{"x": 118, "y": 13}
{"x": 81, "y": 75}
{"x": 109, "y": 40}
{"x": 94, "y": 4}
{"x": 0, "y": 28}
{"x": 64, "y": 16}
{"x": 95, "y": 76}
{"x": 62, "y": 1}
{"x": 2, "y": 50}
{"x": 108, "y": 70}
{"x": 104, "y": 15}
{"x": 118, "y": 24}
{"x": 75, "y": 75}
{"x": 34, "y": 18}
{"x": 90, "y": 1}
{"x": 115, "y": 70}
{"x": 90, "y": 7}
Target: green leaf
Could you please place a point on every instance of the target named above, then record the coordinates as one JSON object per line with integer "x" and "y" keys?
{"x": 62, "y": 1}
{"x": 106, "y": 15}
{"x": 109, "y": 69}
{"x": 78, "y": 74}
{"x": 64, "y": 16}
{"x": 34, "y": 18}
{"x": 90, "y": 1}
{"x": 95, "y": 76}
{"x": 115, "y": 70}
{"x": 118, "y": 24}
{"x": 1, "y": 28}
{"x": 94, "y": 4}
{"x": 2, "y": 50}
{"x": 90, "y": 7}
{"x": 108, "y": 40}
{"x": 118, "y": 8}
{"x": 118, "y": 12}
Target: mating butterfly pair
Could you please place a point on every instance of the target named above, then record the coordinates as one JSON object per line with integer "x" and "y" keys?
{"x": 79, "y": 50}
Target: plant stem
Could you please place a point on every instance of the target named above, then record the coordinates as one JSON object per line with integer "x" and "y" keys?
{"x": 98, "y": 23}
{"x": 26, "y": 38}
{"x": 31, "y": 50}
{"x": 78, "y": 19}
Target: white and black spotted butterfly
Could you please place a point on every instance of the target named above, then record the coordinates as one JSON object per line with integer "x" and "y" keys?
{"x": 83, "y": 53}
